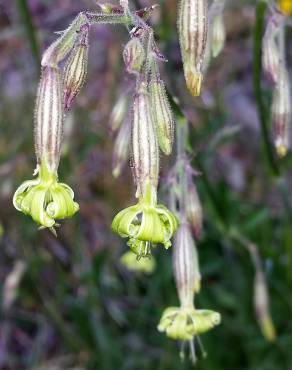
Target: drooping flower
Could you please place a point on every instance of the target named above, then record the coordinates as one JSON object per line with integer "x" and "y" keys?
{"x": 44, "y": 198}
{"x": 145, "y": 224}
{"x": 186, "y": 322}
{"x": 133, "y": 263}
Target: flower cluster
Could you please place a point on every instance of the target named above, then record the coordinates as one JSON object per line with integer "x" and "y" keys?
{"x": 147, "y": 223}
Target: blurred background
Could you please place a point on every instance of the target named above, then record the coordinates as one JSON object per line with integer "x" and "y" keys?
{"x": 66, "y": 302}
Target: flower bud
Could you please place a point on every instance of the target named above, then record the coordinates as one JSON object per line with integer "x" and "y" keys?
{"x": 194, "y": 212}
{"x": 162, "y": 114}
{"x": 271, "y": 52}
{"x": 49, "y": 118}
{"x": 134, "y": 55}
{"x": 218, "y": 34}
{"x": 119, "y": 112}
{"x": 281, "y": 113}
{"x": 59, "y": 49}
{"x": 261, "y": 301}
{"x": 192, "y": 29}
{"x": 133, "y": 263}
{"x": 145, "y": 156}
{"x": 121, "y": 149}
{"x": 76, "y": 69}
{"x": 186, "y": 266}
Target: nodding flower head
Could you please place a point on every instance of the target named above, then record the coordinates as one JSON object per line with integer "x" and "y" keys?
{"x": 134, "y": 55}
{"x": 44, "y": 199}
{"x": 131, "y": 261}
{"x": 145, "y": 224}
{"x": 184, "y": 323}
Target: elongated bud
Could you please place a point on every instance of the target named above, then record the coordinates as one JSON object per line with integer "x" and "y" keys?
{"x": 186, "y": 265}
{"x": 65, "y": 43}
{"x": 119, "y": 112}
{"x": 145, "y": 156}
{"x": 76, "y": 69}
{"x": 194, "y": 210}
{"x": 162, "y": 114}
{"x": 134, "y": 55}
{"x": 49, "y": 118}
{"x": 271, "y": 52}
{"x": 285, "y": 6}
{"x": 121, "y": 148}
{"x": 192, "y": 28}
{"x": 218, "y": 35}
{"x": 261, "y": 301}
{"x": 281, "y": 113}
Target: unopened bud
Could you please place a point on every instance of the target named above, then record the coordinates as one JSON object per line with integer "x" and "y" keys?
{"x": 261, "y": 301}
{"x": 163, "y": 117}
{"x": 134, "y": 55}
{"x": 59, "y": 49}
{"x": 76, "y": 69}
{"x": 186, "y": 265}
{"x": 145, "y": 156}
{"x": 119, "y": 112}
{"x": 192, "y": 28}
{"x": 194, "y": 210}
{"x": 271, "y": 52}
{"x": 281, "y": 113}
{"x": 49, "y": 118}
{"x": 218, "y": 34}
{"x": 121, "y": 148}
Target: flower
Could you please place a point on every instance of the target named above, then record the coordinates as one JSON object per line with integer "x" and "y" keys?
{"x": 145, "y": 223}
{"x": 133, "y": 263}
{"x": 183, "y": 323}
{"x": 44, "y": 199}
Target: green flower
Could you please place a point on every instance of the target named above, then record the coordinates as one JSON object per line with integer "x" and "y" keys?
{"x": 145, "y": 223}
{"x": 183, "y": 323}
{"x": 44, "y": 199}
{"x": 133, "y": 263}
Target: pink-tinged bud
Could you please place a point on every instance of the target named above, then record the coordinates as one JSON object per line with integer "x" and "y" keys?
{"x": 76, "y": 69}
{"x": 271, "y": 52}
{"x": 192, "y": 29}
{"x": 49, "y": 115}
{"x": 121, "y": 149}
{"x": 60, "y": 49}
{"x": 134, "y": 55}
{"x": 194, "y": 210}
{"x": 145, "y": 156}
{"x": 162, "y": 114}
{"x": 186, "y": 265}
{"x": 281, "y": 113}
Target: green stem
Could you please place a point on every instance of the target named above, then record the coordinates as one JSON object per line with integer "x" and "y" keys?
{"x": 257, "y": 75}
{"x": 26, "y": 17}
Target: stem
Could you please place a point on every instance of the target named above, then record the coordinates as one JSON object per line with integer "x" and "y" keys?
{"x": 257, "y": 74}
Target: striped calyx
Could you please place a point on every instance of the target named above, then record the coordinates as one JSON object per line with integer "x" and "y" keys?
{"x": 192, "y": 29}
{"x": 134, "y": 55}
{"x": 162, "y": 115}
{"x": 271, "y": 53}
{"x": 145, "y": 156}
{"x": 49, "y": 118}
{"x": 281, "y": 113}
{"x": 75, "y": 70}
{"x": 186, "y": 265}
